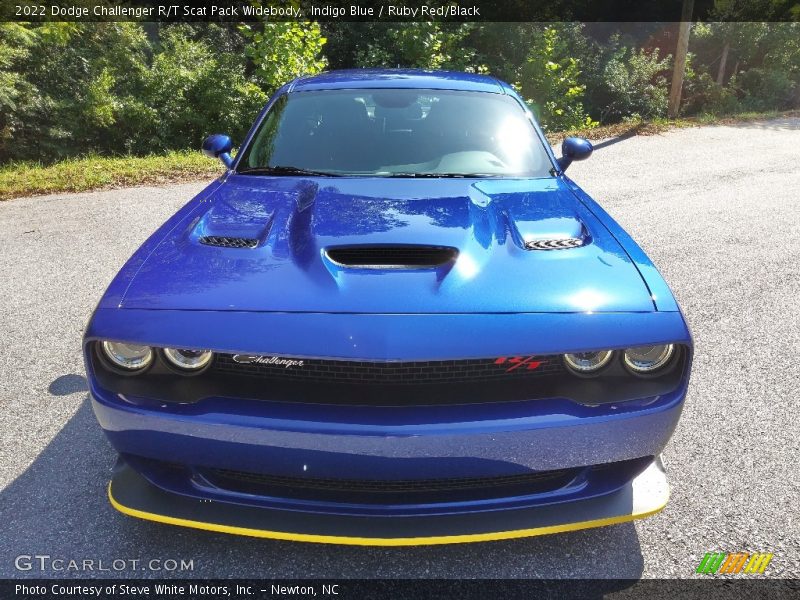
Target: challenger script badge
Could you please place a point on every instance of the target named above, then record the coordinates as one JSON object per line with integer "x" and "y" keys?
{"x": 247, "y": 359}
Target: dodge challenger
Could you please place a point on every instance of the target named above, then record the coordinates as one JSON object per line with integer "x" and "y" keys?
{"x": 393, "y": 320}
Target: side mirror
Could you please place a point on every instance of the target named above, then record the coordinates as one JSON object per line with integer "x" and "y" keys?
{"x": 219, "y": 146}
{"x": 574, "y": 148}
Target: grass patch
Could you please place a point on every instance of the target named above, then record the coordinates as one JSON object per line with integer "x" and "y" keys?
{"x": 98, "y": 172}
{"x": 625, "y": 129}
{"x": 656, "y": 126}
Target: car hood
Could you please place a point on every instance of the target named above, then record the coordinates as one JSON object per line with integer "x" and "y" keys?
{"x": 294, "y": 224}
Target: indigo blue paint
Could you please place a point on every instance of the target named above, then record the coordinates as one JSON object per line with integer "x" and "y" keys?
{"x": 399, "y": 78}
{"x": 387, "y": 336}
{"x": 219, "y": 146}
{"x": 285, "y": 297}
{"x": 487, "y": 220}
{"x": 574, "y": 148}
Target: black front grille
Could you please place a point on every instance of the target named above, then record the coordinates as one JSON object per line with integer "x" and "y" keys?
{"x": 391, "y": 383}
{"x": 392, "y": 257}
{"x": 389, "y": 373}
{"x": 380, "y": 491}
{"x": 229, "y": 242}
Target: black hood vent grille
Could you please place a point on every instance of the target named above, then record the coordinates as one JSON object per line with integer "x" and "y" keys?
{"x": 228, "y": 242}
{"x": 558, "y": 244}
{"x": 392, "y": 257}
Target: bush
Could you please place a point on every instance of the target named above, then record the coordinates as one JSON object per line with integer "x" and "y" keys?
{"x": 761, "y": 71}
{"x": 282, "y": 51}
{"x": 73, "y": 73}
{"x": 15, "y": 91}
{"x": 427, "y": 45}
{"x": 106, "y": 88}
{"x": 763, "y": 89}
{"x": 549, "y": 82}
{"x": 631, "y": 81}
{"x": 191, "y": 91}
{"x": 703, "y": 95}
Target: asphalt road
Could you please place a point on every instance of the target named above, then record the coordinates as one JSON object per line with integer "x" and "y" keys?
{"x": 718, "y": 210}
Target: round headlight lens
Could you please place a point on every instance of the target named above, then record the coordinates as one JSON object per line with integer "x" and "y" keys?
{"x": 189, "y": 360}
{"x": 645, "y": 359}
{"x": 130, "y": 357}
{"x": 588, "y": 362}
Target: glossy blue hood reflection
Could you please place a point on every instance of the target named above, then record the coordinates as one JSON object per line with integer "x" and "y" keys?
{"x": 294, "y": 219}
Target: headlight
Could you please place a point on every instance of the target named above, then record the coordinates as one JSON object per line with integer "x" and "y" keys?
{"x": 188, "y": 360}
{"x": 588, "y": 362}
{"x": 645, "y": 359}
{"x": 130, "y": 357}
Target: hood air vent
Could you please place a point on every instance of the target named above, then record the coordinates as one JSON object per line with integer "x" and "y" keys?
{"x": 562, "y": 244}
{"x": 229, "y": 242}
{"x": 392, "y": 257}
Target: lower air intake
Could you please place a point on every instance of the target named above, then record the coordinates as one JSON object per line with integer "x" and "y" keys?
{"x": 392, "y": 257}
{"x": 398, "y": 492}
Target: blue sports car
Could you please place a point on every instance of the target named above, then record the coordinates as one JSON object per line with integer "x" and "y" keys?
{"x": 394, "y": 320}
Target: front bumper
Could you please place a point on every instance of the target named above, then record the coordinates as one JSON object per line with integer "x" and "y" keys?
{"x": 417, "y": 442}
{"x": 385, "y": 446}
{"x": 389, "y": 443}
{"x": 132, "y": 494}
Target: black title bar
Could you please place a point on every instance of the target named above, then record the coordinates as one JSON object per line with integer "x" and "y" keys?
{"x": 404, "y": 10}
{"x": 385, "y": 589}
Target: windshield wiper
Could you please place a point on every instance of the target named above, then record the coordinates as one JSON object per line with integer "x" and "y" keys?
{"x": 285, "y": 170}
{"x": 442, "y": 175}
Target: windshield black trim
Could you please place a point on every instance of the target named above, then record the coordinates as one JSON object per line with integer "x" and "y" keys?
{"x": 286, "y": 171}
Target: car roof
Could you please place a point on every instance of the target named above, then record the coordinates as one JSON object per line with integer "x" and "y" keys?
{"x": 398, "y": 78}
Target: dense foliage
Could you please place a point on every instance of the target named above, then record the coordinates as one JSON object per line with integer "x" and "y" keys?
{"x": 70, "y": 89}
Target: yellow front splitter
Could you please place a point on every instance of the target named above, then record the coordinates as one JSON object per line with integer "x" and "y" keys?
{"x": 133, "y": 495}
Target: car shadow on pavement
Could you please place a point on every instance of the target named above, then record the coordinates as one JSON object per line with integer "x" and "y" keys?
{"x": 631, "y": 133}
{"x": 58, "y": 507}
{"x": 68, "y": 384}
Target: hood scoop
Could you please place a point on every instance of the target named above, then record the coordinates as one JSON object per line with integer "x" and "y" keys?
{"x": 553, "y": 233}
{"x": 241, "y": 223}
{"x": 228, "y": 242}
{"x": 391, "y": 256}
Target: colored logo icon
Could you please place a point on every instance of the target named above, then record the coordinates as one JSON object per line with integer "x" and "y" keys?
{"x": 715, "y": 563}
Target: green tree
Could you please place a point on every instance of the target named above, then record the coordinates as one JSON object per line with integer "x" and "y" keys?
{"x": 549, "y": 80}
{"x": 761, "y": 67}
{"x": 282, "y": 51}
{"x": 113, "y": 88}
{"x": 192, "y": 90}
{"x": 15, "y": 90}
{"x": 83, "y": 73}
{"x": 623, "y": 81}
{"x": 425, "y": 45}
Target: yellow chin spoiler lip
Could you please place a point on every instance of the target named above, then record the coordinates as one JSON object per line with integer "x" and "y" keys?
{"x": 132, "y": 495}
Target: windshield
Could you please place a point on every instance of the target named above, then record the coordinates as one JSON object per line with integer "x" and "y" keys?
{"x": 397, "y": 133}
